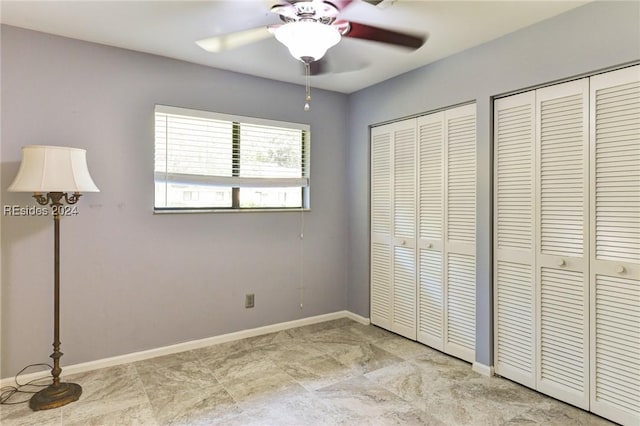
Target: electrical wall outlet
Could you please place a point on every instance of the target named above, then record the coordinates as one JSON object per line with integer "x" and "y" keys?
{"x": 249, "y": 300}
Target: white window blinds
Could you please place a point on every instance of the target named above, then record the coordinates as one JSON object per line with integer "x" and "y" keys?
{"x": 210, "y": 160}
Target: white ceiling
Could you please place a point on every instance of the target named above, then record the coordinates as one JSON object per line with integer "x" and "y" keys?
{"x": 170, "y": 28}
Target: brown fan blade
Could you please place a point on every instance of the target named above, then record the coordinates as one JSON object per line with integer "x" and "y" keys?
{"x": 368, "y": 32}
{"x": 340, "y": 4}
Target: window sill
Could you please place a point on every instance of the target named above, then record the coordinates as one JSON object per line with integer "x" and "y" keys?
{"x": 214, "y": 210}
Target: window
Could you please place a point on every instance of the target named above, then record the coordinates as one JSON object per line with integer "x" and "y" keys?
{"x": 211, "y": 161}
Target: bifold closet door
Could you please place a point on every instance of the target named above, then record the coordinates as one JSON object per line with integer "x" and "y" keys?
{"x": 514, "y": 231}
{"x": 562, "y": 269}
{"x": 446, "y": 231}
{"x": 431, "y": 299}
{"x": 460, "y": 232}
{"x": 393, "y": 218}
{"x": 615, "y": 245}
{"x": 573, "y": 269}
{"x": 381, "y": 222}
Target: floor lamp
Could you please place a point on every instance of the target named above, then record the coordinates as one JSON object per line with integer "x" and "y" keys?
{"x": 56, "y": 175}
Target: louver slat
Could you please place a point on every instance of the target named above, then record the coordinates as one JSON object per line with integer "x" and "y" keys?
{"x": 404, "y": 226}
{"x": 380, "y": 184}
{"x": 460, "y": 231}
{"x": 404, "y": 287}
{"x": 430, "y": 231}
{"x": 515, "y": 317}
{"x": 514, "y": 180}
{"x": 461, "y": 300}
{"x": 617, "y": 355}
{"x": 404, "y": 183}
{"x": 562, "y": 176}
{"x": 461, "y": 179}
{"x": 431, "y": 297}
{"x": 380, "y": 283}
{"x": 615, "y": 245}
{"x": 514, "y": 133}
{"x": 617, "y": 173}
{"x": 431, "y": 202}
{"x": 381, "y": 271}
{"x": 561, "y": 263}
{"x": 561, "y": 340}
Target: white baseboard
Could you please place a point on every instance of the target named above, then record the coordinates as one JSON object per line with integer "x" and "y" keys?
{"x": 485, "y": 370}
{"x": 186, "y": 346}
{"x": 357, "y": 318}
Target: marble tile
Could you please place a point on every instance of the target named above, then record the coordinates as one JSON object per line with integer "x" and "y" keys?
{"x": 171, "y": 360}
{"x": 289, "y": 407}
{"x": 225, "y": 349}
{"x": 21, "y": 414}
{"x": 295, "y": 350}
{"x": 105, "y": 391}
{"x": 557, "y": 414}
{"x": 195, "y": 406}
{"x": 342, "y": 335}
{"x": 316, "y": 372}
{"x": 252, "y": 387}
{"x": 161, "y": 381}
{"x": 446, "y": 367}
{"x": 139, "y": 415}
{"x": 360, "y": 357}
{"x": 370, "y": 333}
{"x": 405, "y": 380}
{"x": 319, "y": 327}
{"x": 403, "y": 348}
{"x": 361, "y": 401}
{"x": 278, "y": 337}
{"x": 334, "y": 373}
{"x": 231, "y": 366}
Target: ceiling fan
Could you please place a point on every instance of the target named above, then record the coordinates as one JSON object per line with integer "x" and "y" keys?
{"x": 308, "y": 28}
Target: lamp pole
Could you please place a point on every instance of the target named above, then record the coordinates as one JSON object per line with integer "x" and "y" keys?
{"x": 57, "y": 394}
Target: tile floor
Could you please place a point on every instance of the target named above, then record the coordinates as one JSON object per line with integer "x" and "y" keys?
{"x": 332, "y": 373}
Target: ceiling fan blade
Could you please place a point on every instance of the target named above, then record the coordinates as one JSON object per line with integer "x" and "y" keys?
{"x": 368, "y": 32}
{"x": 340, "y": 4}
{"x": 234, "y": 40}
{"x": 337, "y": 61}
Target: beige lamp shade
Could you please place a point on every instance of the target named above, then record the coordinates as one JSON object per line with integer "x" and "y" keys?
{"x": 53, "y": 169}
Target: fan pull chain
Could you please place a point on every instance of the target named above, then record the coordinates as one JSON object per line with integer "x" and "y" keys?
{"x": 308, "y": 86}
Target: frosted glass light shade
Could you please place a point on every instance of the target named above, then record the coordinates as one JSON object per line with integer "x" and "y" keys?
{"x": 53, "y": 169}
{"x": 307, "y": 38}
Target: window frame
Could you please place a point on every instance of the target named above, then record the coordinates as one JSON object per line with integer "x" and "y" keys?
{"x": 237, "y": 121}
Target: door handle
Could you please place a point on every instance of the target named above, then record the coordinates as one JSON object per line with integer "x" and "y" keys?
{"x": 620, "y": 269}
{"x": 561, "y": 262}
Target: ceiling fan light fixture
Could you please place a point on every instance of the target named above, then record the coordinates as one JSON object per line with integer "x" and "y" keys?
{"x": 307, "y": 39}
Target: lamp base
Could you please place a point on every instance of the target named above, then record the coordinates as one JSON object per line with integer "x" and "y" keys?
{"x": 55, "y": 396}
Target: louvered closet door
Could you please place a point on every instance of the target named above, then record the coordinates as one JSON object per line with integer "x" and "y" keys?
{"x": 404, "y": 229}
{"x": 562, "y": 242}
{"x": 514, "y": 230}
{"x": 430, "y": 230}
{"x": 460, "y": 230}
{"x": 615, "y": 245}
{"x": 381, "y": 223}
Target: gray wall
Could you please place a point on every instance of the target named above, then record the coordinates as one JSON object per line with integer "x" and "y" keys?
{"x": 592, "y": 37}
{"x": 132, "y": 280}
